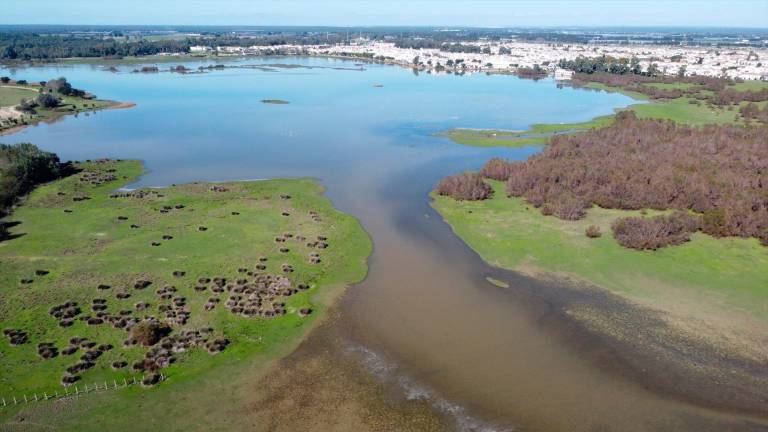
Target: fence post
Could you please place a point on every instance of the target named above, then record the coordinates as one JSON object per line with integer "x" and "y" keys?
{"x": 14, "y": 400}
{"x": 25, "y": 398}
{"x": 66, "y": 392}
{"x": 45, "y": 395}
{"x": 86, "y": 388}
{"x": 35, "y": 397}
{"x": 57, "y": 394}
{"x": 4, "y": 402}
{"x": 77, "y": 390}
{"x": 125, "y": 383}
{"x": 105, "y": 385}
{"x": 114, "y": 381}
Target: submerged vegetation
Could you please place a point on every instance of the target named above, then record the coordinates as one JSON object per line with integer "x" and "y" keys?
{"x": 99, "y": 284}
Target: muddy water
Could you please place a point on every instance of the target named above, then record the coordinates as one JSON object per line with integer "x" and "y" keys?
{"x": 425, "y": 323}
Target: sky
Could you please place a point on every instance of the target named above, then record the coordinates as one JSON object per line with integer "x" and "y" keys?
{"x": 469, "y": 13}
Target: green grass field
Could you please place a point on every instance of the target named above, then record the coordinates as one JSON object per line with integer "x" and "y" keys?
{"x": 91, "y": 246}
{"x": 537, "y": 134}
{"x": 11, "y": 95}
{"x": 508, "y": 233}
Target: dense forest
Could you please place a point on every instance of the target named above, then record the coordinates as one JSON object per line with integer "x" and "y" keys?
{"x": 717, "y": 173}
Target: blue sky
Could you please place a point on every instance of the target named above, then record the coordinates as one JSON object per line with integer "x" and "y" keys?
{"x": 487, "y": 13}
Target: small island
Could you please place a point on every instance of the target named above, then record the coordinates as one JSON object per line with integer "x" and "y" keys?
{"x": 275, "y": 101}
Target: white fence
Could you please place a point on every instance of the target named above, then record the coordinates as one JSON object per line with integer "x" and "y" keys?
{"x": 73, "y": 390}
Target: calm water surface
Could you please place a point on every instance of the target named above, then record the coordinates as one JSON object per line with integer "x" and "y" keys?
{"x": 477, "y": 351}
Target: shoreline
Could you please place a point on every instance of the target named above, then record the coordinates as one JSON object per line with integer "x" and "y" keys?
{"x": 112, "y": 105}
{"x": 648, "y": 344}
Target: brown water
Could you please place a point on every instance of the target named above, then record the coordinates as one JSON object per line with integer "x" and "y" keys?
{"x": 425, "y": 323}
{"x": 495, "y": 358}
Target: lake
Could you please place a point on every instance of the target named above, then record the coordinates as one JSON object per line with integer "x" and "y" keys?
{"x": 494, "y": 358}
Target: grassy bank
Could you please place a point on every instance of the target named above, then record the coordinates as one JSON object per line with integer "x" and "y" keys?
{"x": 702, "y": 276}
{"x": 11, "y": 95}
{"x": 683, "y": 110}
{"x": 93, "y": 243}
{"x": 537, "y": 134}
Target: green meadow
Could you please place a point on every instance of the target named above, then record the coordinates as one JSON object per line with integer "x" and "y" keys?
{"x": 509, "y": 233}
{"x": 109, "y": 241}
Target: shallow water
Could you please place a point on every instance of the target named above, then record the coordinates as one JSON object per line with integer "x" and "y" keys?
{"x": 426, "y": 315}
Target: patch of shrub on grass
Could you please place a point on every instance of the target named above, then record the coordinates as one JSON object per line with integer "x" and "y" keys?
{"x": 593, "y": 231}
{"x": 644, "y": 233}
{"x": 719, "y": 171}
{"x": 467, "y": 186}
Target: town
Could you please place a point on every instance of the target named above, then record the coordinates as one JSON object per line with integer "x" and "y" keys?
{"x": 508, "y": 56}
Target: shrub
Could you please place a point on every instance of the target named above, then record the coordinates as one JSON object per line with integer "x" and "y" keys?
{"x": 467, "y": 186}
{"x": 27, "y": 105}
{"x": 593, "y": 231}
{"x": 720, "y": 171}
{"x": 653, "y": 233}
{"x": 496, "y": 169}
{"x": 149, "y": 333}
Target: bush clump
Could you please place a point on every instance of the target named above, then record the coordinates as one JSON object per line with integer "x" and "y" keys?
{"x": 652, "y": 233}
{"x": 467, "y": 186}
{"x": 496, "y": 169}
{"x": 593, "y": 231}
{"x": 148, "y": 333}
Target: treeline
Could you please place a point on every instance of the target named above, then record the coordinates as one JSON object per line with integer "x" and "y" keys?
{"x": 454, "y": 47}
{"x": 22, "y": 166}
{"x": 25, "y": 46}
{"x": 718, "y": 172}
{"x": 605, "y": 64}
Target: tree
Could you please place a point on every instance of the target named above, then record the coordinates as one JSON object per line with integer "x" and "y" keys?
{"x": 5, "y": 80}
{"x": 47, "y": 100}
{"x": 653, "y": 69}
{"x": 416, "y": 61}
{"x": 681, "y": 71}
